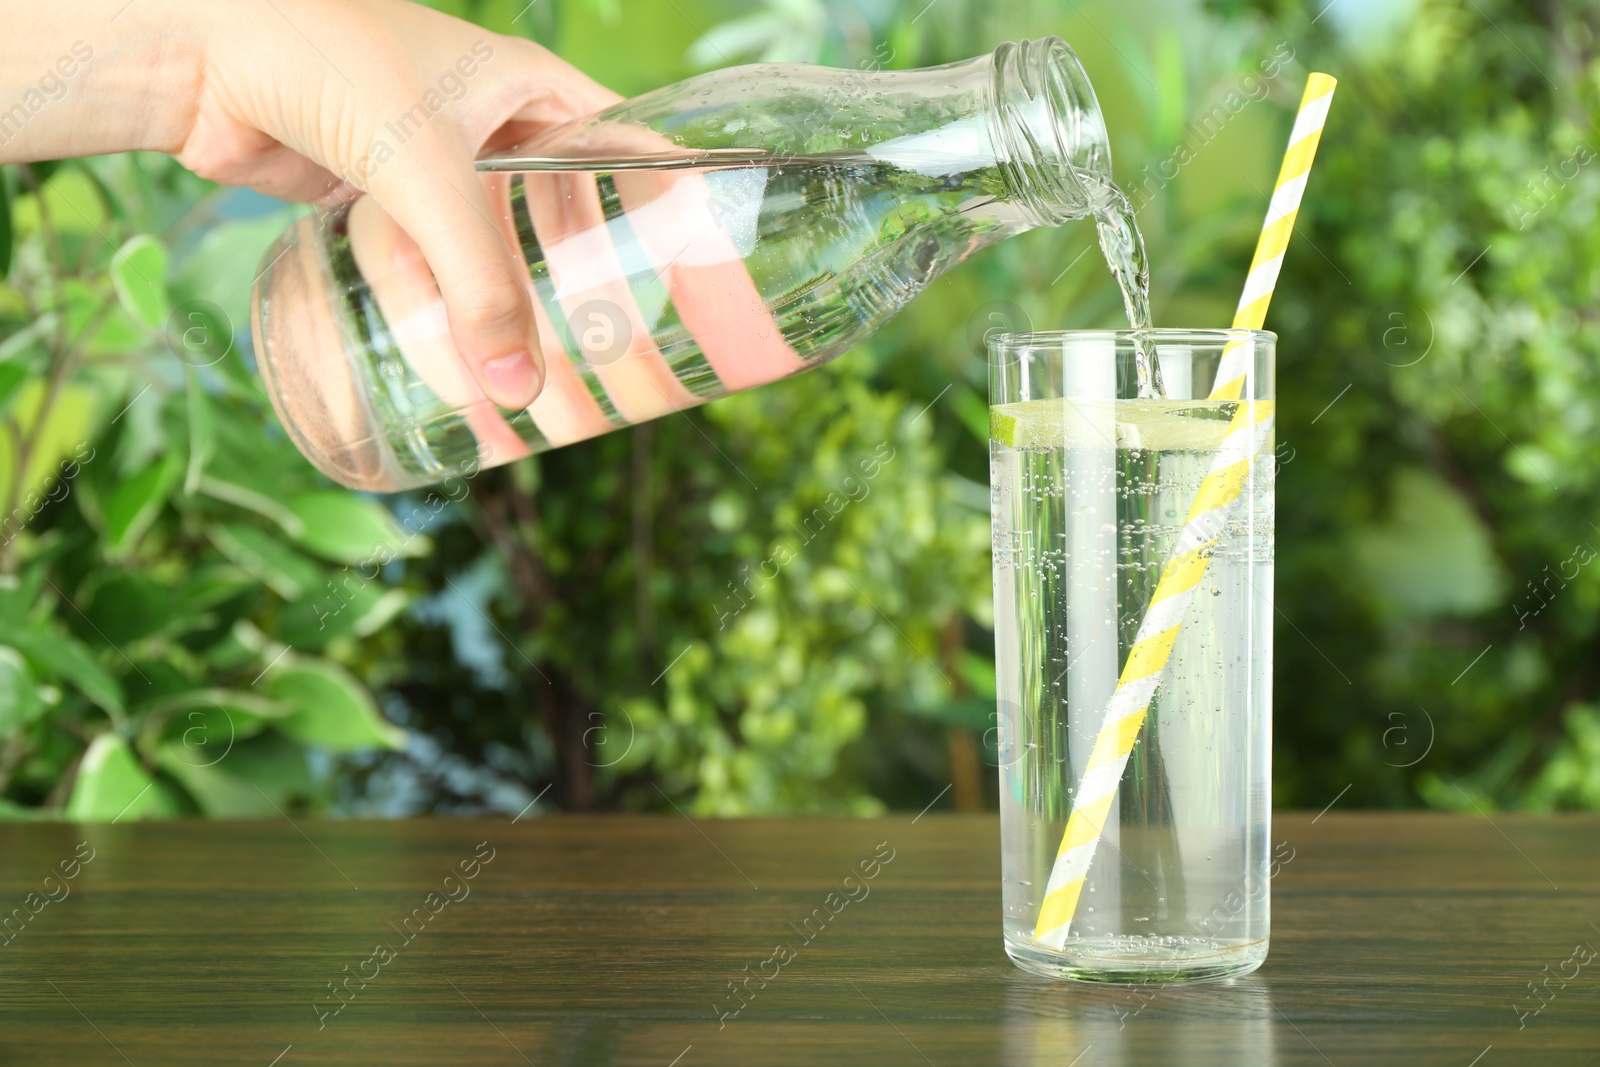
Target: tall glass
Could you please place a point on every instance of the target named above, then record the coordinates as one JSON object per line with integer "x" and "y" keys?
{"x": 1091, "y": 486}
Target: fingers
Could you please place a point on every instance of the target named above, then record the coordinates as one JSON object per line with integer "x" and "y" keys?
{"x": 432, "y": 191}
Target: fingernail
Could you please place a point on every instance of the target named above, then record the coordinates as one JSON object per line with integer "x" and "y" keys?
{"x": 514, "y": 378}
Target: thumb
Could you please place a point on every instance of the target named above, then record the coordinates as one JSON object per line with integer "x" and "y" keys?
{"x": 433, "y": 193}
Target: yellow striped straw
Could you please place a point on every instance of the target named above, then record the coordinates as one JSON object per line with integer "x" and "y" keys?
{"x": 1248, "y": 430}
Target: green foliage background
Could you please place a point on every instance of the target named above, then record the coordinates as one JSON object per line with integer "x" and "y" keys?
{"x": 192, "y": 621}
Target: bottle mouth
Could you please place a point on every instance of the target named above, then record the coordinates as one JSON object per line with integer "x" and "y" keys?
{"x": 1053, "y": 136}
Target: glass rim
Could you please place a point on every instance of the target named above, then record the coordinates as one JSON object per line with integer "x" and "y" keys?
{"x": 1160, "y": 335}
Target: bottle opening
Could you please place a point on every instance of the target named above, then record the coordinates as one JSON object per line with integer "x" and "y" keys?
{"x": 1053, "y": 135}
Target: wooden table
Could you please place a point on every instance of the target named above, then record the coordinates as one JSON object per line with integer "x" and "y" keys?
{"x": 1398, "y": 939}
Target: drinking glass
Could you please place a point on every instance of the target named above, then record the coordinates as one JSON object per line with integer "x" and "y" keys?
{"x": 1092, "y": 490}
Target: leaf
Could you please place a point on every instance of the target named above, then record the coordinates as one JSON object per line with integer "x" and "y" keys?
{"x": 60, "y": 447}
{"x": 133, "y": 505}
{"x": 12, "y": 375}
{"x": 123, "y": 607}
{"x": 29, "y": 342}
{"x": 238, "y": 703}
{"x": 19, "y": 595}
{"x": 101, "y": 329}
{"x": 214, "y": 583}
{"x": 255, "y": 775}
{"x": 14, "y": 812}
{"x": 228, "y": 655}
{"x": 1433, "y": 556}
{"x": 68, "y": 660}
{"x": 265, "y": 506}
{"x": 220, "y": 795}
{"x": 332, "y": 708}
{"x": 111, "y": 783}
{"x": 139, "y": 275}
{"x": 70, "y": 198}
{"x": 201, "y": 444}
{"x": 221, "y": 266}
{"x": 266, "y": 559}
{"x": 973, "y": 713}
{"x": 274, "y": 763}
{"x": 104, "y": 193}
{"x": 973, "y": 411}
{"x": 358, "y": 609}
{"x": 979, "y": 674}
{"x": 20, "y": 702}
{"x": 347, "y": 528}
{"x": 203, "y": 727}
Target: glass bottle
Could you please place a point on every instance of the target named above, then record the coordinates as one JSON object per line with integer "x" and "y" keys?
{"x": 717, "y": 234}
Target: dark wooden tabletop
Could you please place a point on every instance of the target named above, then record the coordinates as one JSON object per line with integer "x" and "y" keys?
{"x": 1397, "y": 939}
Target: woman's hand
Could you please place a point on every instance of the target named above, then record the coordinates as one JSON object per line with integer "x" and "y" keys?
{"x": 315, "y": 100}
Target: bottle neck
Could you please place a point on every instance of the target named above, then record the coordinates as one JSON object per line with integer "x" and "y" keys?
{"x": 1051, "y": 136}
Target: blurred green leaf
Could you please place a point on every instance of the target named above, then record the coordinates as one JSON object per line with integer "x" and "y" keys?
{"x": 346, "y": 528}
{"x": 263, "y": 505}
{"x": 98, "y": 320}
{"x": 239, "y": 703}
{"x": 978, "y": 673}
{"x": 134, "y": 504}
{"x": 201, "y": 444}
{"x": 111, "y": 782}
{"x": 20, "y": 596}
{"x": 60, "y": 444}
{"x": 220, "y": 794}
{"x": 139, "y": 274}
{"x": 11, "y": 811}
{"x": 125, "y": 607}
{"x": 973, "y": 412}
{"x": 204, "y": 726}
{"x": 220, "y": 269}
{"x": 12, "y": 375}
{"x": 349, "y": 609}
{"x": 275, "y": 764}
{"x": 20, "y": 702}
{"x": 69, "y": 197}
{"x": 1571, "y": 778}
{"x": 258, "y": 778}
{"x": 971, "y": 713}
{"x": 69, "y": 661}
{"x": 1433, "y": 556}
{"x": 214, "y": 584}
{"x": 276, "y": 565}
{"x": 332, "y": 709}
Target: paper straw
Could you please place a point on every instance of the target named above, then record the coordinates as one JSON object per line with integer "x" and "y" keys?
{"x": 1248, "y": 430}
{"x": 1275, "y": 231}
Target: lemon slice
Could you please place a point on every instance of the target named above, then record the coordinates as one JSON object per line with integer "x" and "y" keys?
{"x": 1164, "y": 425}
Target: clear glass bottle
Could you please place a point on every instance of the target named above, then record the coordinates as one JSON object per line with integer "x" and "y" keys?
{"x": 718, "y": 234}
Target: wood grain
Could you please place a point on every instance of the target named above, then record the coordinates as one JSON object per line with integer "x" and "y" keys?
{"x": 1397, "y": 939}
